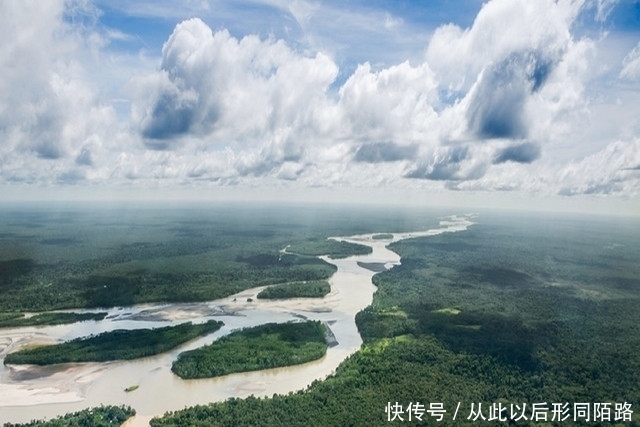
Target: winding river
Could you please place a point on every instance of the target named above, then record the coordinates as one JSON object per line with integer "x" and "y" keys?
{"x": 31, "y": 392}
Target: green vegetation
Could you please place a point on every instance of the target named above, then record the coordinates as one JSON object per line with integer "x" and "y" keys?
{"x": 266, "y": 346}
{"x": 509, "y": 311}
{"x": 400, "y": 369}
{"x": 376, "y": 267}
{"x": 332, "y": 248}
{"x": 167, "y": 280}
{"x": 382, "y": 236}
{"x": 103, "y": 416}
{"x": 9, "y": 316}
{"x": 126, "y": 259}
{"x": 547, "y": 306}
{"x": 16, "y": 320}
{"x": 74, "y": 256}
{"x": 114, "y": 345}
{"x": 314, "y": 289}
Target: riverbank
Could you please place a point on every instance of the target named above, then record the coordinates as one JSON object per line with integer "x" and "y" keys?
{"x": 113, "y": 345}
{"x": 267, "y": 346}
{"x": 77, "y": 387}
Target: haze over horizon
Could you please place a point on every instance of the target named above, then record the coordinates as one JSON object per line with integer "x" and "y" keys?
{"x": 504, "y": 103}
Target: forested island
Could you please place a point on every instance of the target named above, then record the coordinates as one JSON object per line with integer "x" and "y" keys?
{"x": 332, "y": 248}
{"x": 262, "y": 347}
{"x": 114, "y": 345}
{"x": 312, "y": 289}
{"x": 16, "y": 320}
{"x": 382, "y": 236}
{"x": 102, "y": 416}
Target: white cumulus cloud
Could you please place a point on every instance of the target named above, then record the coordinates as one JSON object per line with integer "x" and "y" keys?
{"x": 498, "y": 106}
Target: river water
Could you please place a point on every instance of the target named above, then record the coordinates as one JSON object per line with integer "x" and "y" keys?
{"x": 31, "y": 392}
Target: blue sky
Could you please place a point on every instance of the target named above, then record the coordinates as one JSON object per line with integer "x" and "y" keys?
{"x": 352, "y": 31}
{"x": 505, "y": 102}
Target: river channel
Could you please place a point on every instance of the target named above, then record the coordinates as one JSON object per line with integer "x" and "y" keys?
{"x": 30, "y": 392}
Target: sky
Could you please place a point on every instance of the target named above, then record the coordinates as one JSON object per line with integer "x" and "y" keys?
{"x": 509, "y": 103}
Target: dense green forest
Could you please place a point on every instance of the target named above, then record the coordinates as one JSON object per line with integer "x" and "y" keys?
{"x": 313, "y": 289}
{"x": 16, "y": 320}
{"x": 509, "y": 312}
{"x": 114, "y": 345}
{"x": 185, "y": 260}
{"x": 168, "y": 280}
{"x": 102, "y": 416}
{"x": 266, "y": 346}
{"x": 382, "y": 236}
{"x": 334, "y": 249}
{"x": 64, "y": 257}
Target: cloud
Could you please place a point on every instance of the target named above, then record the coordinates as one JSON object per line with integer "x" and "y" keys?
{"x": 29, "y": 110}
{"x": 631, "y": 64}
{"x": 290, "y": 171}
{"x": 379, "y": 152}
{"x": 500, "y": 29}
{"x": 274, "y": 109}
{"x": 172, "y": 115}
{"x": 612, "y": 170}
{"x": 518, "y": 74}
{"x": 85, "y": 157}
{"x": 215, "y": 87}
{"x": 394, "y": 103}
{"x": 52, "y": 117}
{"x": 45, "y": 130}
{"x": 603, "y": 8}
{"x": 518, "y": 71}
{"x": 526, "y": 152}
{"x": 497, "y": 102}
{"x": 354, "y": 35}
{"x": 448, "y": 164}
{"x": 73, "y": 176}
{"x": 272, "y": 105}
{"x": 515, "y": 71}
{"x": 470, "y": 109}
{"x": 181, "y": 98}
